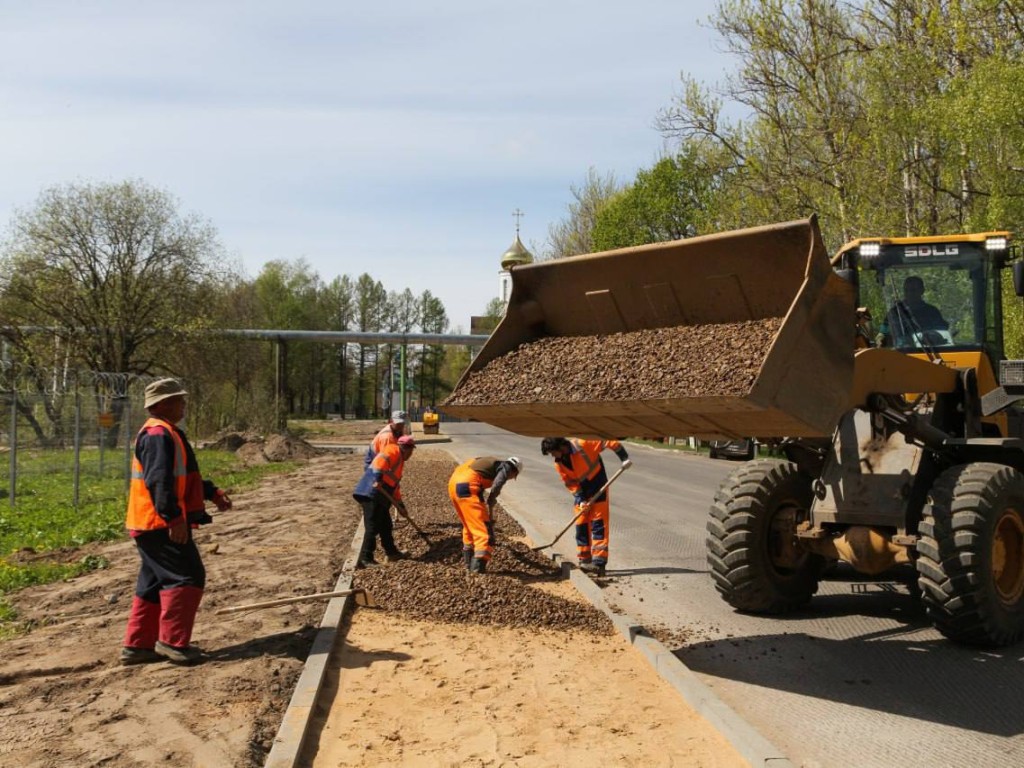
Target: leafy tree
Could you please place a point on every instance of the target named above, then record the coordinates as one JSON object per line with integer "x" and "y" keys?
{"x": 573, "y": 235}
{"x": 370, "y": 309}
{"x": 434, "y": 319}
{"x": 288, "y": 295}
{"x": 115, "y": 273}
{"x": 670, "y": 201}
{"x": 798, "y": 151}
{"x": 339, "y": 300}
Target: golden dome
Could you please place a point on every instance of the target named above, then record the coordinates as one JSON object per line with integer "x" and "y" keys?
{"x": 516, "y": 255}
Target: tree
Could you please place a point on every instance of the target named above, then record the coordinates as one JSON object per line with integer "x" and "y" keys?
{"x": 573, "y": 235}
{"x": 339, "y": 298}
{"x": 434, "y": 320}
{"x": 370, "y": 307}
{"x": 798, "y": 151}
{"x": 672, "y": 200}
{"x": 288, "y": 295}
{"x": 115, "y": 273}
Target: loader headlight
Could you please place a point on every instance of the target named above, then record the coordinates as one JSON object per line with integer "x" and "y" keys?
{"x": 995, "y": 244}
{"x": 870, "y": 250}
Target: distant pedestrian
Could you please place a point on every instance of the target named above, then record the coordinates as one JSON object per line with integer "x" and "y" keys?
{"x": 466, "y": 490}
{"x": 165, "y": 501}
{"x": 379, "y": 487}
{"x": 582, "y": 471}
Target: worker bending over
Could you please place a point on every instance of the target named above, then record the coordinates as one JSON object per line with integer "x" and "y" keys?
{"x": 466, "y": 490}
{"x": 388, "y": 435}
{"x": 378, "y": 488}
{"x": 580, "y": 466}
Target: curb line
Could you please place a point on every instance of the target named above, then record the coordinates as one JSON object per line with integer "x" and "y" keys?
{"x": 291, "y": 736}
{"x": 743, "y": 737}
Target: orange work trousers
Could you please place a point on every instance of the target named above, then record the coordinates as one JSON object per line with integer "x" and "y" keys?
{"x": 592, "y": 533}
{"x": 477, "y": 526}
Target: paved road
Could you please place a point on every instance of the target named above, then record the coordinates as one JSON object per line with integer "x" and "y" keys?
{"x": 858, "y": 679}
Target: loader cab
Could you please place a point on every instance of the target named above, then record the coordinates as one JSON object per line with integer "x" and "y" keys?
{"x": 937, "y": 296}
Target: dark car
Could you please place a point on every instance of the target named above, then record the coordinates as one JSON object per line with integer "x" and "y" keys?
{"x": 743, "y": 449}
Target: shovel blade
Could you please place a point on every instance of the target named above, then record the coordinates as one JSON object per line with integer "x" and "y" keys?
{"x": 363, "y": 598}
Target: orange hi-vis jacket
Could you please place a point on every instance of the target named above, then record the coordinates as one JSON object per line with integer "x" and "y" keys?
{"x": 142, "y": 514}
{"x": 582, "y": 471}
{"x": 385, "y": 469}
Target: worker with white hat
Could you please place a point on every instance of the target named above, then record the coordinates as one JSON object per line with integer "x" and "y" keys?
{"x": 466, "y": 490}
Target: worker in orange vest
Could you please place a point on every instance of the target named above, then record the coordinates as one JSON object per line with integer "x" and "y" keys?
{"x": 582, "y": 471}
{"x": 165, "y": 501}
{"x": 381, "y": 480}
{"x": 389, "y": 434}
{"x": 466, "y": 490}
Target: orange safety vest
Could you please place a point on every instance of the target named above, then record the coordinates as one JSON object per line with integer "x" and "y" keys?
{"x": 390, "y": 463}
{"x": 382, "y": 438}
{"x": 142, "y": 514}
{"x": 586, "y": 473}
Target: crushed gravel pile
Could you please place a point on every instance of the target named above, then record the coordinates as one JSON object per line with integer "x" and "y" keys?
{"x": 433, "y": 584}
{"x": 682, "y": 361}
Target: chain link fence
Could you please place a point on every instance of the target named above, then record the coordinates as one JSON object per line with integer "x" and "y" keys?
{"x": 75, "y": 429}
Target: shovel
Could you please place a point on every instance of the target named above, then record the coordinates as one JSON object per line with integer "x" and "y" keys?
{"x": 597, "y": 495}
{"x": 405, "y": 513}
{"x": 361, "y": 596}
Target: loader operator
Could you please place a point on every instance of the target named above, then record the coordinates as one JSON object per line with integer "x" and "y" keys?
{"x": 390, "y": 433}
{"x": 378, "y": 488}
{"x": 911, "y": 315}
{"x": 580, "y": 466}
{"x": 165, "y": 501}
{"x": 466, "y": 490}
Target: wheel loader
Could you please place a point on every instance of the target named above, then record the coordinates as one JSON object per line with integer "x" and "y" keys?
{"x": 904, "y": 447}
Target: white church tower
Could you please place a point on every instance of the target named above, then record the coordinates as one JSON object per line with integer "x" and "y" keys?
{"x": 514, "y": 256}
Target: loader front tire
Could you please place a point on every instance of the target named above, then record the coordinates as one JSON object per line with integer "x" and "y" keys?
{"x": 751, "y": 544}
{"x": 970, "y": 560}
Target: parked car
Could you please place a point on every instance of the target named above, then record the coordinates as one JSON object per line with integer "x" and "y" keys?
{"x": 744, "y": 449}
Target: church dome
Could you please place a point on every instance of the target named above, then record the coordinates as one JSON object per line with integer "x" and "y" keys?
{"x": 516, "y": 255}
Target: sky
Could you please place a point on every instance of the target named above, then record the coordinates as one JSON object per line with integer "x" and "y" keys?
{"x": 393, "y": 137}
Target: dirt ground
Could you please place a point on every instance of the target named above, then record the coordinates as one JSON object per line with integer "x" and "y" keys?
{"x": 404, "y": 690}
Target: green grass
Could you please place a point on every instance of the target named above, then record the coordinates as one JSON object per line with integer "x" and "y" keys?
{"x": 44, "y": 518}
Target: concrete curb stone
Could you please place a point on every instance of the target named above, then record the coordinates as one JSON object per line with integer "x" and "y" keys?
{"x": 743, "y": 737}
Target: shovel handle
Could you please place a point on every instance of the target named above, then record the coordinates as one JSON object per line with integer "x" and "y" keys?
{"x": 602, "y": 489}
{"x": 405, "y": 514}
{"x": 287, "y": 600}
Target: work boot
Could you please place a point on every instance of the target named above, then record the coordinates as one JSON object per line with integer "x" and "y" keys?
{"x": 130, "y": 656}
{"x": 467, "y": 557}
{"x": 362, "y": 563}
{"x": 186, "y": 655}
{"x": 394, "y": 557}
{"x": 477, "y": 565}
{"x": 593, "y": 569}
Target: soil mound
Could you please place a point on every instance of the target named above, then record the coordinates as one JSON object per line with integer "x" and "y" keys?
{"x": 254, "y": 449}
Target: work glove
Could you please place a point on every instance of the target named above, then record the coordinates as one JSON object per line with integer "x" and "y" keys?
{"x": 222, "y": 500}
{"x": 627, "y": 463}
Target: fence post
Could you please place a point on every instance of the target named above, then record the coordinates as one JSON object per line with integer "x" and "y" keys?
{"x": 78, "y": 442}
{"x": 14, "y": 446}
{"x": 126, "y": 416}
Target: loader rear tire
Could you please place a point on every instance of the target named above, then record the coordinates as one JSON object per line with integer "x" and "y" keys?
{"x": 971, "y": 554}
{"x": 751, "y": 543}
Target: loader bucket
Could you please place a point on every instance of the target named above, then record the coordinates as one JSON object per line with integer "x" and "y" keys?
{"x": 781, "y": 271}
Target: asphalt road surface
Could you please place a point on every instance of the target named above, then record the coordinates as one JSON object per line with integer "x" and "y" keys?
{"x": 859, "y": 678}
